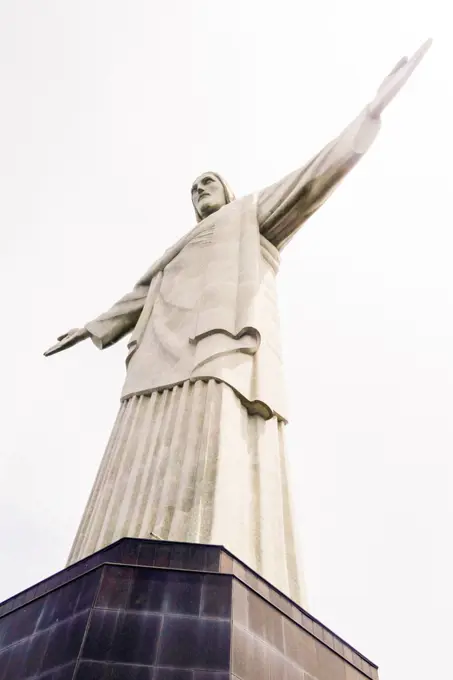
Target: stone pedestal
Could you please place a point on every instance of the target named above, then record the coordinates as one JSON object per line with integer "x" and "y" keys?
{"x": 154, "y": 610}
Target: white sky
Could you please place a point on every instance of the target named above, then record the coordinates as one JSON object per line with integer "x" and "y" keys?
{"x": 109, "y": 110}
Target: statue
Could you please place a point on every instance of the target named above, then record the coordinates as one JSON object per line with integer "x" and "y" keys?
{"x": 197, "y": 450}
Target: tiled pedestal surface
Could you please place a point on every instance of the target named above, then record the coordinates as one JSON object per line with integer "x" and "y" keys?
{"x": 154, "y": 610}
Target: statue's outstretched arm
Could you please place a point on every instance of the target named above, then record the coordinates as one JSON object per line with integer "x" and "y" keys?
{"x": 286, "y": 205}
{"x": 120, "y": 319}
{"x": 109, "y": 327}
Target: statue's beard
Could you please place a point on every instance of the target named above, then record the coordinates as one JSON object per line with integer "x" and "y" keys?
{"x": 209, "y": 208}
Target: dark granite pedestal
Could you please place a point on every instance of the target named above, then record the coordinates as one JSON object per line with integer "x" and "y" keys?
{"x": 155, "y": 610}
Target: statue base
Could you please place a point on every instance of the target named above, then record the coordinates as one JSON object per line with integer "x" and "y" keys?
{"x": 157, "y": 610}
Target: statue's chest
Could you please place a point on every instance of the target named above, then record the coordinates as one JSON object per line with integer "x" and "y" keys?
{"x": 209, "y": 258}
{"x": 202, "y": 236}
{"x": 183, "y": 277}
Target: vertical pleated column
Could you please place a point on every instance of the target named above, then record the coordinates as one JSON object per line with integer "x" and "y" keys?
{"x": 86, "y": 539}
{"x": 190, "y": 464}
{"x": 158, "y": 474}
{"x": 269, "y": 504}
{"x": 295, "y": 575}
{"x": 235, "y": 522}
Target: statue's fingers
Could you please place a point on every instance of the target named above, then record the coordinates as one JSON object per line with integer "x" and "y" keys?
{"x": 67, "y": 334}
{"x": 397, "y": 78}
{"x": 66, "y": 342}
{"x": 413, "y": 62}
{"x": 53, "y": 350}
{"x": 397, "y": 68}
{"x": 419, "y": 54}
{"x": 422, "y": 50}
{"x": 399, "y": 65}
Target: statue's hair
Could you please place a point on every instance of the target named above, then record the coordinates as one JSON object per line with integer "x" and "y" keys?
{"x": 229, "y": 195}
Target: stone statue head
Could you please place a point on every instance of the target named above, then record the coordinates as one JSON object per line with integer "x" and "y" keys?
{"x": 210, "y": 193}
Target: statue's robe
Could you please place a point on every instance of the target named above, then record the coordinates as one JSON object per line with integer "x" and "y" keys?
{"x": 197, "y": 452}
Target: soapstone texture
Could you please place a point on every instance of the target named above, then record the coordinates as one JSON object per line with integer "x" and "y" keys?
{"x": 197, "y": 452}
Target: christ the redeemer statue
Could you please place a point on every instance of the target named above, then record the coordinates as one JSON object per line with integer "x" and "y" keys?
{"x": 197, "y": 450}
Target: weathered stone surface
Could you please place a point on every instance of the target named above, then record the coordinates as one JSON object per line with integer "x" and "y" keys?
{"x": 197, "y": 451}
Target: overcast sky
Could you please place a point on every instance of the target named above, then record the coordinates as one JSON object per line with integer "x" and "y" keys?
{"x": 108, "y": 111}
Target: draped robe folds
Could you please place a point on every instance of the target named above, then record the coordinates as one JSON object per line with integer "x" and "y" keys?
{"x": 206, "y": 312}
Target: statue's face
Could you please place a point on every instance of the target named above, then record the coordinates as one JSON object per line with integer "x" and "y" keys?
{"x": 208, "y": 194}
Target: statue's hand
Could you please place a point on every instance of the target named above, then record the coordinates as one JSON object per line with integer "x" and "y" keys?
{"x": 68, "y": 339}
{"x": 396, "y": 79}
